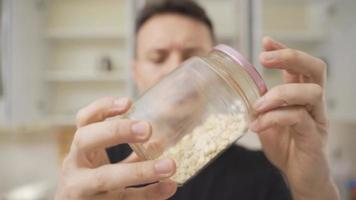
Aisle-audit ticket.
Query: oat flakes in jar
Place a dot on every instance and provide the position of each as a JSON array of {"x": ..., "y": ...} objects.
[{"x": 198, "y": 110}]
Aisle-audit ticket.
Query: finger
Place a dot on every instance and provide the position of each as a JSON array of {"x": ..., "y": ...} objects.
[
  {"x": 122, "y": 175},
  {"x": 296, "y": 62},
  {"x": 161, "y": 190},
  {"x": 112, "y": 132},
  {"x": 308, "y": 95},
  {"x": 295, "y": 116},
  {"x": 102, "y": 109},
  {"x": 305, "y": 94},
  {"x": 270, "y": 44}
]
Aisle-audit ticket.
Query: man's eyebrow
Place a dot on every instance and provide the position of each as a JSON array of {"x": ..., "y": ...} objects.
[
  {"x": 164, "y": 50},
  {"x": 193, "y": 50},
  {"x": 157, "y": 49}
]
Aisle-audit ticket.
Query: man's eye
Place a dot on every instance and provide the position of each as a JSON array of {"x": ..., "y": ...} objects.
[
  {"x": 191, "y": 54},
  {"x": 187, "y": 56},
  {"x": 158, "y": 59}
]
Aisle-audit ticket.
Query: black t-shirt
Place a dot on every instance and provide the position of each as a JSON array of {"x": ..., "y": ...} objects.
[{"x": 237, "y": 174}]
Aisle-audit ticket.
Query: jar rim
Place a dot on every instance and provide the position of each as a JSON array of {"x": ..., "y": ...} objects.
[{"x": 251, "y": 70}]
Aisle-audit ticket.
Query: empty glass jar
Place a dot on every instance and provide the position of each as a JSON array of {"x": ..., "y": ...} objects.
[{"x": 198, "y": 110}]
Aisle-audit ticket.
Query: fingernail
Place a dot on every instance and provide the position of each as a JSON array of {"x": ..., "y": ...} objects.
[
  {"x": 140, "y": 128},
  {"x": 164, "y": 166},
  {"x": 259, "y": 103},
  {"x": 268, "y": 56},
  {"x": 121, "y": 103}
]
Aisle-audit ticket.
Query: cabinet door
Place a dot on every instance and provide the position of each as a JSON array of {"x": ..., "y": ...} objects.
[
  {"x": 23, "y": 51},
  {"x": 2, "y": 111},
  {"x": 342, "y": 59}
]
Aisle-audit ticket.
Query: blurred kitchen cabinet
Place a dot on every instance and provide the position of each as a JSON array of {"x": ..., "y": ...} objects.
[
  {"x": 300, "y": 25},
  {"x": 89, "y": 53},
  {"x": 341, "y": 91},
  {"x": 60, "y": 55},
  {"x": 1, "y": 73},
  {"x": 236, "y": 23},
  {"x": 243, "y": 23},
  {"x": 64, "y": 137},
  {"x": 23, "y": 57},
  {"x": 322, "y": 29},
  {"x": 226, "y": 18},
  {"x": 291, "y": 21}
]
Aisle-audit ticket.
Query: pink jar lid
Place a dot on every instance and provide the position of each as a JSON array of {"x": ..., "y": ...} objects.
[{"x": 251, "y": 70}]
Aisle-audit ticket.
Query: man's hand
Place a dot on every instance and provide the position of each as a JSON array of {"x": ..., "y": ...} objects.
[
  {"x": 292, "y": 122},
  {"x": 87, "y": 173}
]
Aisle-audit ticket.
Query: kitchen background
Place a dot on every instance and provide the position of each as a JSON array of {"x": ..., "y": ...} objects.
[{"x": 59, "y": 55}]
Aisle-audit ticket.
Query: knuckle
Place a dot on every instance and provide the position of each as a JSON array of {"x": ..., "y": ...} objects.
[
  {"x": 101, "y": 105},
  {"x": 66, "y": 164},
  {"x": 300, "y": 114},
  {"x": 321, "y": 63},
  {"x": 292, "y": 55},
  {"x": 78, "y": 139},
  {"x": 80, "y": 116},
  {"x": 139, "y": 173},
  {"x": 281, "y": 94},
  {"x": 66, "y": 173},
  {"x": 116, "y": 129},
  {"x": 92, "y": 109},
  {"x": 106, "y": 100},
  {"x": 100, "y": 181},
  {"x": 70, "y": 189},
  {"x": 275, "y": 120},
  {"x": 281, "y": 91},
  {"x": 317, "y": 91}
]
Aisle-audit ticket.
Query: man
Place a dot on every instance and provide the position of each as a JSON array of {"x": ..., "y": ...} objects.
[{"x": 292, "y": 126}]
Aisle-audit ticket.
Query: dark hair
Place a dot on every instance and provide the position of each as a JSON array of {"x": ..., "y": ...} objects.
[{"x": 187, "y": 8}]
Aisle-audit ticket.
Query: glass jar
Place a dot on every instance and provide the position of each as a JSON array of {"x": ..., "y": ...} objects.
[{"x": 198, "y": 110}]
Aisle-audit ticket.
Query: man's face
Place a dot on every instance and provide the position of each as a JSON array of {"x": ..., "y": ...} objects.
[{"x": 164, "y": 42}]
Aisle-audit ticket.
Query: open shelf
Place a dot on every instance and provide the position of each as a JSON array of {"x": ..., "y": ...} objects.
[
  {"x": 83, "y": 77},
  {"x": 80, "y": 34},
  {"x": 304, "y": 37}
]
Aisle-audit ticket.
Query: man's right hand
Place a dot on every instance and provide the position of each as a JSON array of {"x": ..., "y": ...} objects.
[{"x": 87, "y": 172}]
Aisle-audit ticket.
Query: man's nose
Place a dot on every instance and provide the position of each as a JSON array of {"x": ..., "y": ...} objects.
[{"x": 174, "y": 61}]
